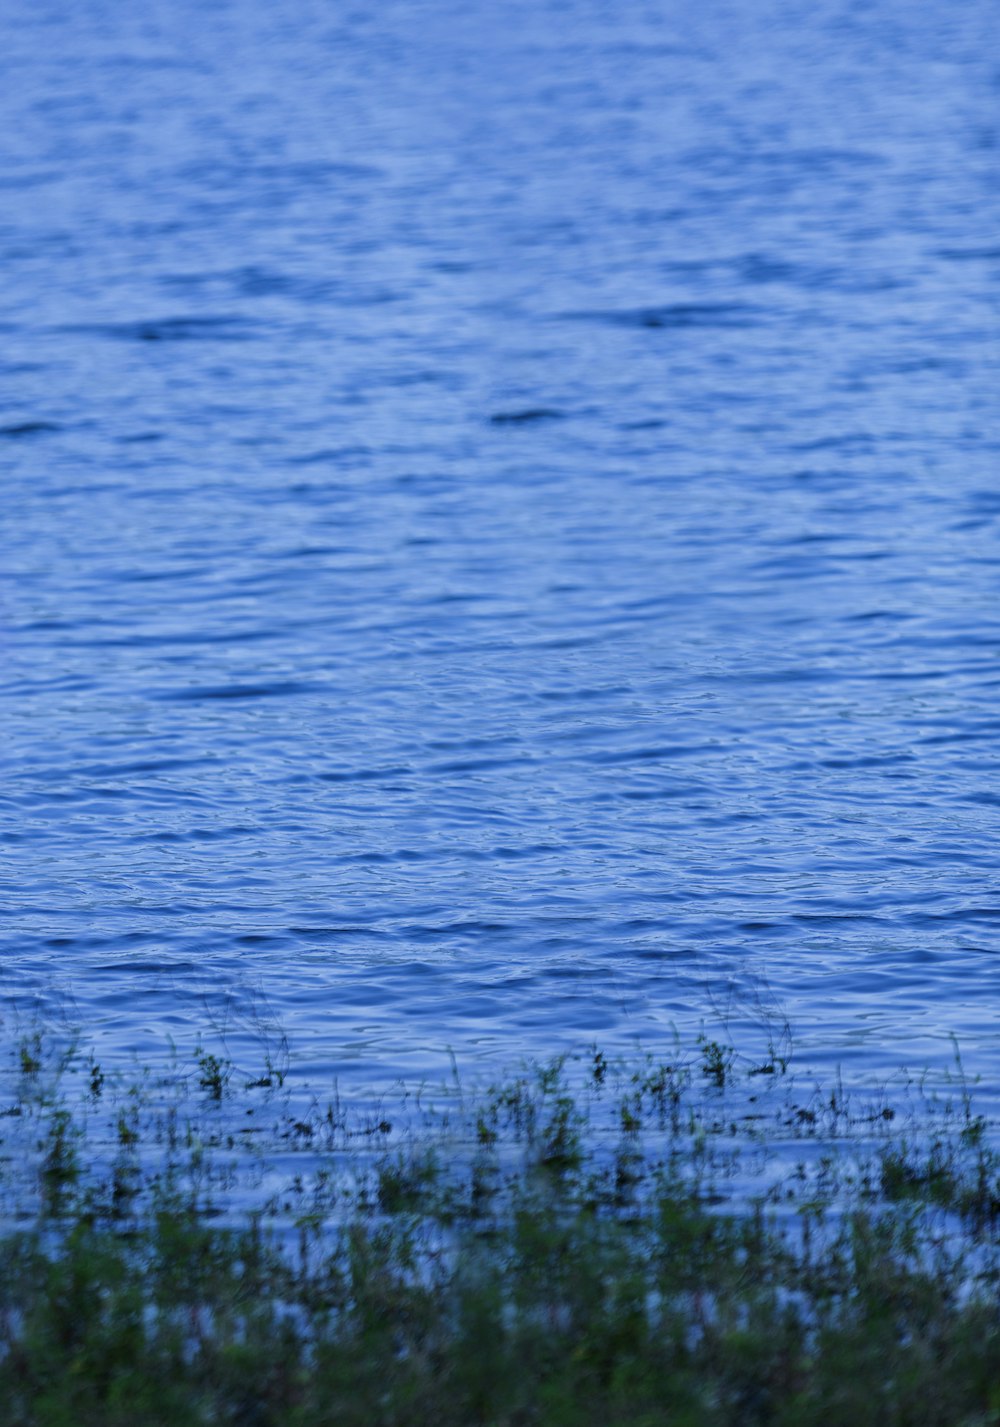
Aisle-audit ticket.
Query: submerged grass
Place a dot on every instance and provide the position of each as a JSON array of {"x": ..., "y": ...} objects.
[{"x": 586, "y": 1242}]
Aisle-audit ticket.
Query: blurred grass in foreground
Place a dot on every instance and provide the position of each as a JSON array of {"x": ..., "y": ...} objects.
[{"x": 682, "y": 1242}]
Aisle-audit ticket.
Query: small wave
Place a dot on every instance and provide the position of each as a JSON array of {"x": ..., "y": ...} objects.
[
  {"x": 674, "y": 315},
  {"x": 969, "y": 255},
  {"x": 526, "y": 417},
  {"x": 359, "y": 775},
  {"x": 279, "y": 689},
  {"x": 28, "y": 428},
  {"x": 169, "y": 329}
]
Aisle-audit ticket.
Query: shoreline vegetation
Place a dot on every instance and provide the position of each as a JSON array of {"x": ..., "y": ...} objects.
[{"x": 694, "y": 1240}]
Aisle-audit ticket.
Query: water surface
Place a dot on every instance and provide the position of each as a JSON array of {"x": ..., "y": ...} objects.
[{"x": 501, "y": 528}]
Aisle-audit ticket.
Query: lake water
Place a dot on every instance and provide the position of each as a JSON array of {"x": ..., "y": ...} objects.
[{"x": 501, "y": 525}]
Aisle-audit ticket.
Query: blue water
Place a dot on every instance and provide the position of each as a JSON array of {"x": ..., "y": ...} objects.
[{"x": 501, "y": 524}]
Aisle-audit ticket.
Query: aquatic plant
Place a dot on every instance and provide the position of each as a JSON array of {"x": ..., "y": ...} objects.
[{"x": 586, "y": 1241}]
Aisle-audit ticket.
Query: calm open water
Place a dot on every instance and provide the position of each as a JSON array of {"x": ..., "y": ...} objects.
[{"x": 501, "y": 523}]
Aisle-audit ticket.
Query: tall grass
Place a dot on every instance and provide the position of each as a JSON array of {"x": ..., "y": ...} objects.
[{"x": 683, "y": 1241}]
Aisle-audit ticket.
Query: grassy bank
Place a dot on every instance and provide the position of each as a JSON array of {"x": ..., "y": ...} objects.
[{"x": 683, "y": 1242}]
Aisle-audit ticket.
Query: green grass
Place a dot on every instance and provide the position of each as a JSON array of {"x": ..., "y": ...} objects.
[{"x": 587, "y": 1242}]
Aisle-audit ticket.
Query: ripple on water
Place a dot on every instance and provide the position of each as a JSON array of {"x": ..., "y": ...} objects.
[{"x": 500, "y": 533}]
